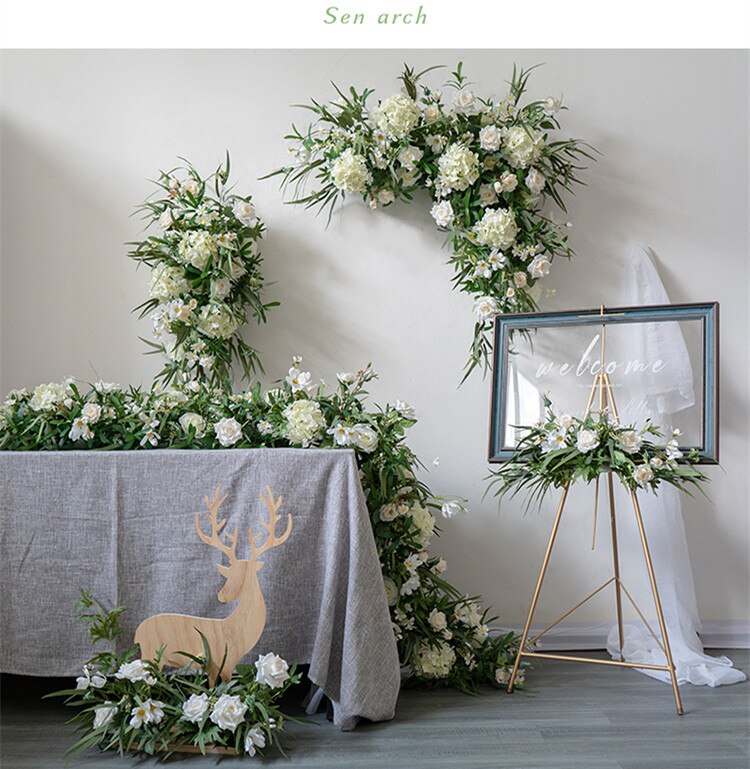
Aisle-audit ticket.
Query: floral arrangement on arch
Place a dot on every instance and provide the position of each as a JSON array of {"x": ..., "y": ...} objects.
[
  {"x": 443, "y": 635},
  {"x": 561, "y": 449},
  {"x": 205, "y": 275},
  {"x": 490, "y": 167},
  {"x": 126, "y": 704}
]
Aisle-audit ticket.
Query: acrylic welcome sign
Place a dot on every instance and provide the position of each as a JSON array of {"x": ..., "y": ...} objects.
[{"x": 662, "y": 361}]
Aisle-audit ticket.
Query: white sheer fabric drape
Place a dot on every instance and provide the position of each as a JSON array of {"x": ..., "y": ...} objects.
[{"x": 662, "y": 514}]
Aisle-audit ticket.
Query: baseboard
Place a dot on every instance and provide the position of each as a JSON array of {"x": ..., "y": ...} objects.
[{"x": 716, "y": 634}]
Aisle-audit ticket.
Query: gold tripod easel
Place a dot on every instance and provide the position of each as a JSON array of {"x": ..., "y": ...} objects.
[{"x": 603, "y": 386}]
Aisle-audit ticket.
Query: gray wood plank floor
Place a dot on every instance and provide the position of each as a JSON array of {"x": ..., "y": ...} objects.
[{"x": 578, "y": 717}]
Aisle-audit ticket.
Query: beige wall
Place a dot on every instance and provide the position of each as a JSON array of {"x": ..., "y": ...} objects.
[{"x": 83, "y": 130}]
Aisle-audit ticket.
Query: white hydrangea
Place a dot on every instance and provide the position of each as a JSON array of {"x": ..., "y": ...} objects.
[
  {"x": 167, "y": 282},
  {"x": 397, "y": 116},
  {"x": 522, "y": 145},
  {"x": 497, "y": 228},
  {"x": 48, "y": 396},
  {"x": 425, "y": 522},
  {"x": 349, "y": 172},
  {"x": 216, "y": 321},
  {"x": 434, "y": 662},
  {"x": 304, "y": 422},
  {"x": 458, "y": 168},
  {"x": 197, "y": 248}
]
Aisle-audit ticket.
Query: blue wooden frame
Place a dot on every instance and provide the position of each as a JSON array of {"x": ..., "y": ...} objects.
[{"x": 707, "y": 312}]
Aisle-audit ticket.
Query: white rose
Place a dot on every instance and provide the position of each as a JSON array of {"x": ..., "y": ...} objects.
[
  {"x": 490, "y": 137},
  {"x": 385, "y": 197},
  {"x": 271, "y": 670},
  {"x": 166, "y": 220},
  {"x": 452, "y": 508},
  {"x": 535, "y": 181},
  {"x": 565, "y": 422},
  {"x": 228, "y": 712},
  {"x": 431, "y": 113},
  {"x": 551, "y": 105},
  {"x": 465, "y": 103},
  {"x": 191, "y": 187},
  {"x": 539, "y": 267},
  {"x": 502, "y": 676},
  {"x": 657, "y": 463},
  {"x": 391, "y": 591},
  {"x": 508, "y": 181},
  {"x": 196, "y": 421},
  {"x": 195, "y": 708},
  {"x": 221, "y": 287},
  {"x": 365, "y": 438},
  {"x": 487, "y": 195},
  {"x": 104, "y": 714},
  {"x": 91, "y": 412},
  {"x": 255, "y": 738},
  {"x": 135, "y": 671},
  {"x": 405, "y": 409},
  {"x": 485, "y": 307},
  {"x": 643, "y": 474},
  {"x": 587, "y": 441},
  {"x": 245, "y": 213},
  {"x": 630, "y": 441},
  {"x": 410, "y": 156},
  {"x": 442, "y": 213},
  {"x": 437, "y": 620},
  {"x": 519, "y": 278},
  {"x": 228, "y": 431}
]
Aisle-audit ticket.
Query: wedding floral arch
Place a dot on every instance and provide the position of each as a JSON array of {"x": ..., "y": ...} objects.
[{"x": 490, "y": 167}]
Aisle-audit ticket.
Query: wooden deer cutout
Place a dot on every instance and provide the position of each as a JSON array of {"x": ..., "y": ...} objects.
[{"x": 239, "y": 632}]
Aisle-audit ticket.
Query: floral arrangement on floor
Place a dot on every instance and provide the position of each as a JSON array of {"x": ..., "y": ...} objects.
[
  {"x": 443, "y": 635},
  {"x": 490, "y": 167},
  {"x": 562, "y": 449},
  {"x": 205, "y": 275},
  {"x": 128, "y": 704}
]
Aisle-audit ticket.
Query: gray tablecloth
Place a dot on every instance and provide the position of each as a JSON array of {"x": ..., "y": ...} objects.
[{"x": 122, "y": 525}]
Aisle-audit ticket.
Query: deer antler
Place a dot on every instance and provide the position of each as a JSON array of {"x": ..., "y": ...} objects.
[
  {"x": 272, "y": 540},
  {"x": 214, "y": 538}
]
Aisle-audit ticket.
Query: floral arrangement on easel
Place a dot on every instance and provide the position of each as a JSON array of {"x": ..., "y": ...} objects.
[
  {"x": 490, "y": 166},
  {"x": 205, "y": 275},
  {"x": 562, "y": 449},
  {"x": 443, "y": 634},
  {"x": 128, "y": 704}
]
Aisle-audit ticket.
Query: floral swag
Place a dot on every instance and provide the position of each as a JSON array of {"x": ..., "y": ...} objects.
[{"x": 490, "y": 167}]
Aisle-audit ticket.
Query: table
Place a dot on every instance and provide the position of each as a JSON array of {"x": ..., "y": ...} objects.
[{"x": 122, "y": 524}]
